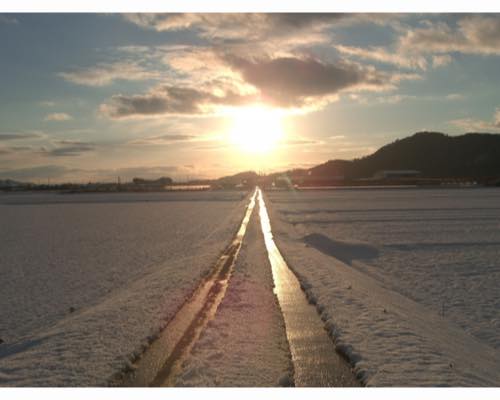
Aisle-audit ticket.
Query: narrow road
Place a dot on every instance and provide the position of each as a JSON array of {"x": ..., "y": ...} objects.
[
  {"x": 237, "y": 331},
  {"x": 316, "y": 363}
]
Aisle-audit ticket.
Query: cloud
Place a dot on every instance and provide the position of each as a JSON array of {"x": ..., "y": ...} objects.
[
  {"x": 379, "y": 54},
  {"x": 36, "y": 172},
  {"x": 246, "y": 26},
  {"x": 441, "y": 60},
  {"x": 472, "y": 124},
  {"x": 284, "y": 82},
  {"x": 58, "y": 117},
  {"x": 163, "y": 139},
  {"x": 298, "y": 142},
  {"x": 67, "y": 148},
  {"x": 47, "y": 103},
  {"x": 73, "y": 142},
  {"x": 106, "y": 73},
  {"x": 169, "y": 100},
  {"x": 298, "y": 82},
  {"x": 19, "y": 135},
  {"x": 69, "y": 151},
  {"x": 473, "y": 34},
  {"x": 455, "y": 96}
]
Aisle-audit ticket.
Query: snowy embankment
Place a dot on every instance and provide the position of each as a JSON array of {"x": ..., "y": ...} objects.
[
  {"x": 406, "y": 280},
  {"x": 89, "y": 280},
  {"x": 245, "y": 344}
]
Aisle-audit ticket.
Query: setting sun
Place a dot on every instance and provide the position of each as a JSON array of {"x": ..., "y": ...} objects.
[{"x": 256, "y": 129}]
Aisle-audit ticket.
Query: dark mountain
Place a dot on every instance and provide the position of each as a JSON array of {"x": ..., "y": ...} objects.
[{"x": 434, "y": 154}]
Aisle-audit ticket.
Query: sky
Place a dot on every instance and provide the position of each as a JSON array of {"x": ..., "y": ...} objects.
[{"x": 93, "y": 97}]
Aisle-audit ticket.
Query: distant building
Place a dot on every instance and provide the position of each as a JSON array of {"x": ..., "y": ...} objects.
[{"x": 395, "y": 174}]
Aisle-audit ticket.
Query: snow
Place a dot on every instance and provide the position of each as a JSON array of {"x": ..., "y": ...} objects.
[
  {"x": 88, "y": 280},
  {"x": 406, "y": 280},
  {"x": 245, "y": 344}
]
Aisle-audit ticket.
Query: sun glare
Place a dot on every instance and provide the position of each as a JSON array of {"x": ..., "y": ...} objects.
[{"x": 256, "y": 129}]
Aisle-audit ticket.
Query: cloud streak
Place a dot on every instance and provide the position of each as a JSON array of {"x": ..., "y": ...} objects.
[
  {"x": 382, "y": 55},
  {"x": 242, "y": 26},
  {"x": 472, "y": 124},
  {"x": 473, "y": 34},
  {"x": 19, "y": 136},
  {"x": 58, "y": 117},
  {"x": 107, "y": 73},
  {"x": 163, "y": 139}
]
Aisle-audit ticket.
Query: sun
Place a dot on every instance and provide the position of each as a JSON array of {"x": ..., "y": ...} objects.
[{"x": 256, "y": 129}]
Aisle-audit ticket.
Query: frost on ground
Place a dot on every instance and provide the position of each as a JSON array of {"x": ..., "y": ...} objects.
[
  {"x": 245, "y": 344},
  {"x": 406, "y": 280},
  {"x": 89, "y": 279}
]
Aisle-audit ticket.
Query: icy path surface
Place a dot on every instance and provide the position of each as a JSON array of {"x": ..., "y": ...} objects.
[
  {"x": 406, "y": 279},
  {"x": 245, "y": 345},
  {"x": 88, "y": 280},
  {"x": 315, "y": 361}
]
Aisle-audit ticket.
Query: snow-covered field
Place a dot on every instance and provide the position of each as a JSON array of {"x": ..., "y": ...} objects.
[
  {"x": 88, "y": 279},
  {"x": 406, "y": 279}
]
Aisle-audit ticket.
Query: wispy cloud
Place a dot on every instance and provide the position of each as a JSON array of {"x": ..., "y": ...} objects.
[
  {"x": 19, "y": 135},
  {"x": 401, "y": 97},
  {"x": 431, "y": 43},
  {"x": 67, "y": 148},
  {"x": 441, "y": 60},
  {"x": 473, "y": 34},
  {"x": 107, "y": 73},
  {"x": 247, "y": 26},
  {"x": 36, "y": 172},
  {"x": 59, "y": 116},
  {"x": 47, "y": 103},
  {"x": 383, "y": 55},
  {"x": 478, "y": 125},
  {"x": 163, "y": 139},
  {"x": 455, "y": 96},
  {"x": 298, "y": 141}
]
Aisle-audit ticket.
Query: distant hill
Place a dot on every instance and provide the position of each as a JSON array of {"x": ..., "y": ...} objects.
[
  {"x": 434, "y": 154},
  {"x": 247, "y": 178}
]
